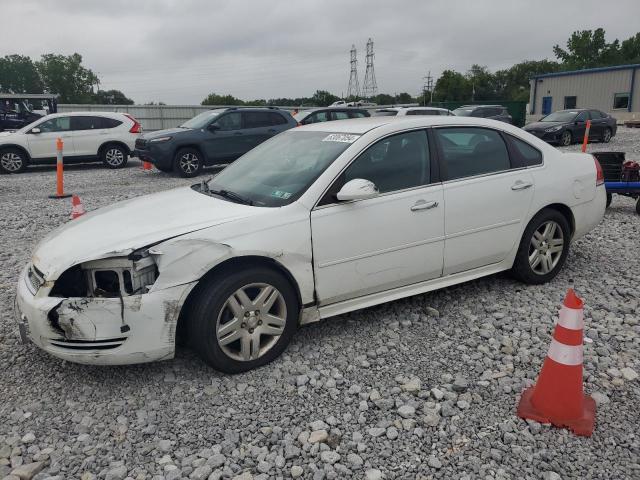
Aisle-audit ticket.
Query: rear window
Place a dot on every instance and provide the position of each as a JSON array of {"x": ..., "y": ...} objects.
[
  {"x": 524, "y": 155},
  {"x": 357, "y": 114},
  {"x": 277, "y": 119},
  {"x": 423, "y": 112},
  {"x": 86, "y": 123},
  {"x": 110, "y": 122}
]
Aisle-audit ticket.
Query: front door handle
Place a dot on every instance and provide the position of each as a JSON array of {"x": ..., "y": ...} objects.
[
  {"x": 520, "y": 185},
  {"x": 423, "y": 205}
]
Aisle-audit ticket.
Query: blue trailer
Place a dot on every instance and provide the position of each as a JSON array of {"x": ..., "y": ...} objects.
[{"x": 614, "y": 177}]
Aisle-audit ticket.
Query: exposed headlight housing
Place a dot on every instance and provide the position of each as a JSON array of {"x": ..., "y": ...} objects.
[
  {"x": 108, "y": 277},
  {"x": 553, "y": 129},
  {"x": 160, "y": 139}
]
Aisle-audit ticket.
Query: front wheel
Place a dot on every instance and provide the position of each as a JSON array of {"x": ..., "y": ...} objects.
[
  {"x": 188, "y": 162},
  {"x": 543, "y": 248},
  {"x": 606, "y": 135},
  {"x": 114, "y": 156},
  {"x": 13, "y": 160},
  {"x": 242, "y": 320},
  {"x": 566, "y": 138}
]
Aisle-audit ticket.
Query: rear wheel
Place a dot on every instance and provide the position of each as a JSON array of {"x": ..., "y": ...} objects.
[
  {"x": 114, "y": 156},
  {"x": 543, "y": 248},
  {"x": 638, "y": 206},
  {"x": 606, "y": 135},
  {"x": 243, "y": 319},
  {"x": 13, "y": 160},
  {"x": 566, "y": 138},
  {"x": 609, "y": 199},
  {"x": 188, "y": 162}
]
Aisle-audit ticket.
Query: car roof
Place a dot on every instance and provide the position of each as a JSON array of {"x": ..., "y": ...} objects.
[
  {"x": 363, "y": 125},
  {"x": 87, "y": 114},
  {"x": 481, "y": 106}
]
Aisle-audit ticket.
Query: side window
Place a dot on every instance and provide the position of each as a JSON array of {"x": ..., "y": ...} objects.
[
  {"x": 321, "y": 116},
  {"x": 256, "y": 119},
  {"x": 570, "y": 102},
  {"x": 59, "y": 124},
  {"x": 595, "y": 114},
  {"x": 86, "y": 123},
  {"x": 582, "y": 117},
  {"x": 229, "y": 121},
  {"x": 110, "y": 122},
  {"x": 467, "y": 152},
  {"x": 357, "y": 114},
  {"x": 276, "y": 119},
  {"x": 394, "y": 163},
  {"x": 620, "y": 100},
  {"x": 422, "y": 112},
  {"x": 479, "y": 112},
  {"x": 340, "y": 115},
  {"x": 524, "y": 155}
]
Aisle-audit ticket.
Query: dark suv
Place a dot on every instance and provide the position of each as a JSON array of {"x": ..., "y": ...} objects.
[
  {"x": 493, "y": 112},
  {"x": 212, "y": 138}
]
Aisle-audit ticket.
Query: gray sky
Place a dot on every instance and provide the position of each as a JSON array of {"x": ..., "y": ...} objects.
[{"x": 179, "y": 51}]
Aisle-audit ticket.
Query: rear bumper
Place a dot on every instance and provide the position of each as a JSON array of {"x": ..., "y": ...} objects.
[{"x": 589, "y": 214}]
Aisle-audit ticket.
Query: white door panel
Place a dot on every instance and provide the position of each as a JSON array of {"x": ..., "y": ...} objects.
[
  {"x": 484, "y": 218},
  {"x": 376, "y": 244},
  {"x": 43, "y": 145},
  {"x": 86, "y": 142}
]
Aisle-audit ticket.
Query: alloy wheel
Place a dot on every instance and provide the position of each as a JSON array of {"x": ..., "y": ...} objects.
[
  {"x": 566, "y": 139},
  {"x": 114, "y": 157},
  {"x": 189, "y": 163},
  {"x": 607, "y": 136},
  {"x": 251, "y": 321},
  {"x": 11, "y": 162},
  {"x": 545, "y": 248}
]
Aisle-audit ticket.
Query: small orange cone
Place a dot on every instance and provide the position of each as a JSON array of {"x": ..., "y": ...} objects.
[
  {"x": 558, "y": 397},
  {"x": 146, "y": 165},
  {"x": 77, "y": 209}
]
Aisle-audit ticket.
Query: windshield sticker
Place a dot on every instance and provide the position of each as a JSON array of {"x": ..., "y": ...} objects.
[
  {"x": 281, "y": 194},
  {"x": 341, "y": 137}
]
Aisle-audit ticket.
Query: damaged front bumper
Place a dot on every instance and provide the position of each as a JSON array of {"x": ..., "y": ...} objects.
[{"x": 99, "y": 330}]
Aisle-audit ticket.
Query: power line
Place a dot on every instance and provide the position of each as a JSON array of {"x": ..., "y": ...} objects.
[
  {"x": 370, "y": 87},
  {"x": 354, "y": 86},
  {"x": 427, "y": 86}
]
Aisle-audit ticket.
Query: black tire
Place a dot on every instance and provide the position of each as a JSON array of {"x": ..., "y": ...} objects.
[
  {"x": 638, "y": 207},
  {"x": 609, "y": 199},
  {"x": 13, "y": 160},
  {"x": 114, "y": 156},
  {"x": 210, "y": 306},
  {"x": 566, "y": 138},
  {"x": 164, "y": 169},
  {"x": 188, "y": 162},
  {"x": 522, "y": 268},
  {"x": 606, "y": 135}
]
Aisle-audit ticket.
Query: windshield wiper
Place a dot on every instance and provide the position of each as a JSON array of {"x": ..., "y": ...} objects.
[{"x": 231, "y": 196}]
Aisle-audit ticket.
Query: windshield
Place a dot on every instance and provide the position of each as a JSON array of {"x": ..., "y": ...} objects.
[
  {"x": 202, "y": 120},
  {"x": 278, "y": 171},
  {"x": 463, "y": 112},
  {"x": 567, "y": 116}
]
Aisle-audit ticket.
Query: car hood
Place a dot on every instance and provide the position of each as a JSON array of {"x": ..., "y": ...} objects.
[
  {"x": 164, "y": 133},
  {"x": 541, "y": 125},
  {"x": 121, "y": 228},
  {"x": 6, "y": 134}
]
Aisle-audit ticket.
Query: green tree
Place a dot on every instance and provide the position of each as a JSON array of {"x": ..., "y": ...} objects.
[
  {"x": 111, "y": 97},
  {"x": 451, "y": 86},
  {"x": 513, "y": 83},
  {"x": 384, "y": 99},
  {"x": 18, "y": 74},
  {"x": 66, "y": 76},
  {"x": 587, "y": 49},
  {"x": 322, "y": 98},
  {"x": 483, "y": 84},
  {"x": 630, "y": 49},
  {"x": 404, "y": 97},
  {"x": 215, "y": 99}
]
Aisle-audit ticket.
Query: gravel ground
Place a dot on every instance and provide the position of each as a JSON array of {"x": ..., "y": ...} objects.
[{"x": 424, "y": 387}]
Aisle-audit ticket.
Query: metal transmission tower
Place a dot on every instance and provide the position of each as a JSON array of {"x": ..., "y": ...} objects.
[
  {"x": 354, "y": 87},
  {"x": 427, "y": 87},
  {"x": 370, "y": 87}
]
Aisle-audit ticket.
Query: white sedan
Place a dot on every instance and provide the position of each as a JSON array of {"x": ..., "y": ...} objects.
[{"x": 318, "y": 221}]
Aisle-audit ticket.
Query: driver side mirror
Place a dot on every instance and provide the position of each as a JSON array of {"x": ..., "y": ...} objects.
[
  {"x": 357, "y": 189},
  {"x": 213, "y": 127},
  {"x": 35, "y": 130}
]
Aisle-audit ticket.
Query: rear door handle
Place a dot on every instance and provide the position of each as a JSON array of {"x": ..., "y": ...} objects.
[
  {"x": 423, "y": 205},
  {"x": 520, "y": 185}
]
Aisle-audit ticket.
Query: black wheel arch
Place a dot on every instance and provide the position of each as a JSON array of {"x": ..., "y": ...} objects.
[
  {"x": 247, "y": 261},
  {"x": 104, "y": 146}
]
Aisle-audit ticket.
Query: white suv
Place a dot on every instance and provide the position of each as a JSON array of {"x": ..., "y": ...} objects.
[{"x": 88, "y": 136}]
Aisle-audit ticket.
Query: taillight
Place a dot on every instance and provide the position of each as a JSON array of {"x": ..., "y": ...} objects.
[
  {"x": 599, "y": 172},
  {"x": 137, "y": 128}
]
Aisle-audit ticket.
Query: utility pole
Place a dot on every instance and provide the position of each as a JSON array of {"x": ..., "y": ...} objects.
[
  {"x": 354, "y": 87},
  {"x": 370, "y": 87},
  {"x": 427, "y": 86}
]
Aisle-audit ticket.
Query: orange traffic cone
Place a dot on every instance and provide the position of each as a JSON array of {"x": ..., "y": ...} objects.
[
  {"x": 558, "y": 398},
  {"x": 77, "y": 209},
  {"x": 146, "y": 165}
]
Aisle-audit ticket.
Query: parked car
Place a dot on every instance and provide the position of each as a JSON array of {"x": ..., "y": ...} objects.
[
  {"x": 565, "y": 127},
  {"x": 339, "y": 103},
  {"x": 88, "y": 137},
  {"x": 361, "y": 103},
  {"x": 18, "y": 110},
  {"x": 328, "y": 114},
  {"x": 214, "y": 137},
  {"x": 401, "y": 111},
  {"x": 493, "y": 112},
  {"x": 318, "y": 221}
]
